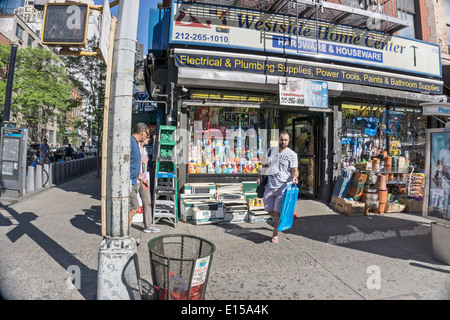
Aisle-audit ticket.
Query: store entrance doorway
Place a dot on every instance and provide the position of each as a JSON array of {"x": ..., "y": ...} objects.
[{"x": 306, "y": 143}]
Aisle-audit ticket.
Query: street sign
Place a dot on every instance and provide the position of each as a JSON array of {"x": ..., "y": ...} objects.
[
  {"x": 141, "y": 98},
  {"x": 105, "y": 30},
  {"x": 65, "y": 24}
]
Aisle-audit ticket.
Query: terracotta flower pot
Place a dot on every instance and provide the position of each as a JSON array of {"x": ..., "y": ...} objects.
[
  {"x": 381, "y": 182},
  {"x": 382, "y": 196},
  {"x": 381, "y": 207},
  {"x": 387, "y": 161}
]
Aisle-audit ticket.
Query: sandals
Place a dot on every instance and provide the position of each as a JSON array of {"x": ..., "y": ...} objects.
[{"x": 275, "y": 240}]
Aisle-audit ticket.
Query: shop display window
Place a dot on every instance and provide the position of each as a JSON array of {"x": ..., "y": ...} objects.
[
  {"x": 364, "y": 133},
  {"x": 226, "y": 140},
  {"x": 438, "y": 174}
]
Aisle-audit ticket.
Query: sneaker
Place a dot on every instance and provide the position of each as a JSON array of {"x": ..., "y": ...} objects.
[{"x": 152, "y": 229}]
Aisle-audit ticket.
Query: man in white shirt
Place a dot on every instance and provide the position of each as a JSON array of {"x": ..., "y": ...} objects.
[{"x": 283, "y": 163}]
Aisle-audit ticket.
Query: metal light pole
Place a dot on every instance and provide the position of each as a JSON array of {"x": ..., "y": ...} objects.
[
  {"x": 117, "y": 269},
  {"x": 9, "y": 83}
]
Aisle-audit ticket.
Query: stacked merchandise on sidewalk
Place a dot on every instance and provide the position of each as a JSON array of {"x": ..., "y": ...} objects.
[
  {"x": 206, "y": 203},
  {"x": 382, "y": 147},
  {"x": 383, "y": 184}
]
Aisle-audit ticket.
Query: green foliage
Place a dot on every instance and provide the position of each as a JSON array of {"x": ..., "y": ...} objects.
[
  {"x": 41, "y": 87},
  {"x": 90, "y": 75}
]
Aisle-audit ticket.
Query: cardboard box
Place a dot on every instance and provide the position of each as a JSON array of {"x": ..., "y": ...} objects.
[
  {"x": 187, "y": 209},
  {"x": 340, "y": 204},
  {"x": 393, "y": 207},
  {"x": 235, "y": 217},
  {"x": 258, "y": 217},
  {"x": 229, "y": 196},
  {"x": 349, "y": 207},
  {"x": 412, "y": 205},
  {"x": 207, "y": 217},
  {"x": 200, "y": 188},
  {"x": 247, "y": 196},
  {"x": 354, "y": 208},
  {"x": 249, "y": 186},
  {"x": 196, "y": 197},
  {"x": 200, "y": 212}
]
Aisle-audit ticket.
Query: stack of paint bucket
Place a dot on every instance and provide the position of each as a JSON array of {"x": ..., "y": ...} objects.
[
  {"x": 357, "y": 186},
  {"x": 382, "y": 192}
]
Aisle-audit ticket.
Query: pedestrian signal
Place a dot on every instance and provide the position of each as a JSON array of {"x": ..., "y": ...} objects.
[{"x": 65, "y": 25}]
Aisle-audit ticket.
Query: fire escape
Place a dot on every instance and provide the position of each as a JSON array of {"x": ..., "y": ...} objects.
[{"x": 387, "y": 16}]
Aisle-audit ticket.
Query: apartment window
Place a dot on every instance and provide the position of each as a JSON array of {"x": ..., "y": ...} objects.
[
  {"x": 51, "y": 135},
  {"x": 407, "y": 11},
  {"x": 19, "y": 32},
  {"x": 30, "y": 41}
]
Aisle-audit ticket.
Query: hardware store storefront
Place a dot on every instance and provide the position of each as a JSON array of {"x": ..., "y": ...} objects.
[
  {"x": 229, "y": 102},
  {"x": 231, "y": 117}
]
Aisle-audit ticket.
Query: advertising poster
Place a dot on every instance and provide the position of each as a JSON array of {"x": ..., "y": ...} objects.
[
  {"x": 439, "y": 175},
  {"x": 301, "y": 92}
]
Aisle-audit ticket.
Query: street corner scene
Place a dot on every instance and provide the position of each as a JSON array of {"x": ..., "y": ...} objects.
[{"x": 240, "y": 154}]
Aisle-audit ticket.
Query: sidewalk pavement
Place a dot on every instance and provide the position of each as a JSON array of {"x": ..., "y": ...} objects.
[{"x": 325, "y": 255}]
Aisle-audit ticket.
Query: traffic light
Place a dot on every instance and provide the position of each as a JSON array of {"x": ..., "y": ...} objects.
[{"x": 65, "y": 25}]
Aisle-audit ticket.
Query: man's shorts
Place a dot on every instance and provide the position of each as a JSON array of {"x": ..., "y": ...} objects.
[
  {"x": 134, "y": 202},
  {"x": 273, "y": 199}
]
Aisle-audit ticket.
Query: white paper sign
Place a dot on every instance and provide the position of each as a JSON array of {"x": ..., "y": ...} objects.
[
  {"x": 200, "y": 271},
  {"x": 303, "y": 92}
]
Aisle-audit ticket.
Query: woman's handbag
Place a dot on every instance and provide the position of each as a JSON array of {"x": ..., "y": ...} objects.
[
  {"x": 262, "y": 186},
  {"x": 287, "y": 210}
]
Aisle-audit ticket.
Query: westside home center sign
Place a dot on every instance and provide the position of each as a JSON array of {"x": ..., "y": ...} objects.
[{"x": 227, "y": 27}]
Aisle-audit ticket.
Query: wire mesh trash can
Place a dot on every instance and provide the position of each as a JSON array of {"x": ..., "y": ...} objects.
[{"x": 180, "y": 266}]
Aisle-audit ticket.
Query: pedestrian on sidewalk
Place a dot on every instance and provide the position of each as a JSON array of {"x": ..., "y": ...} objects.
[
  {"x": 44, "y": 150},
  {"x": 69, "y": 153},
  {"x": 144, "y": 192},
  {"x": 283, "y": 170},
  {"x": 140, "y": 133},
  {"x": 81, "y": 153}
]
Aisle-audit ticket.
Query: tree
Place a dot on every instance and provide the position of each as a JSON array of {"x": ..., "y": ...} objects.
[
  {"x": 90, "y": 75},
  {"x": 41, "y": 87}
]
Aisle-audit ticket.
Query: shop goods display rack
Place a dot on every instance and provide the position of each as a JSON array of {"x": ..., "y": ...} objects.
[{"x": 165, "y": 191}]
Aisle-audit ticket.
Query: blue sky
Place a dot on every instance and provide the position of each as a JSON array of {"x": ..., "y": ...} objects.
[{"x": 144, "y": 7}]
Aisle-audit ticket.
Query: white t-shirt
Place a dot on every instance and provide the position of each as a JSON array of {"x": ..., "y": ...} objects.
[{"x": 284, "y": 162}]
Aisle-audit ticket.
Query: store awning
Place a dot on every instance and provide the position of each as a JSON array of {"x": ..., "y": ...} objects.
[
  {"x": 233, "y": 79},
  {"x": 220, "y": 79}
]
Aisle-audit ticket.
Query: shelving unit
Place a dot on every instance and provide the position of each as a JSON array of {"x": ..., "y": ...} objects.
[
  {"x": 165, "y": 191},
  {"x": 397, "y": 182}
]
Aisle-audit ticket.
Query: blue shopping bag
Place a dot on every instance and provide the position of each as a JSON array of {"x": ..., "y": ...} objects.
[{"x": 287, "y": 210}]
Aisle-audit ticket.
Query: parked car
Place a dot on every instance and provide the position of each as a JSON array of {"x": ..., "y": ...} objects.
[
  {"x": 90, "y": 150},
  {"x": 35, "y": 147},
  {"x": 59, "y": 153}
]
